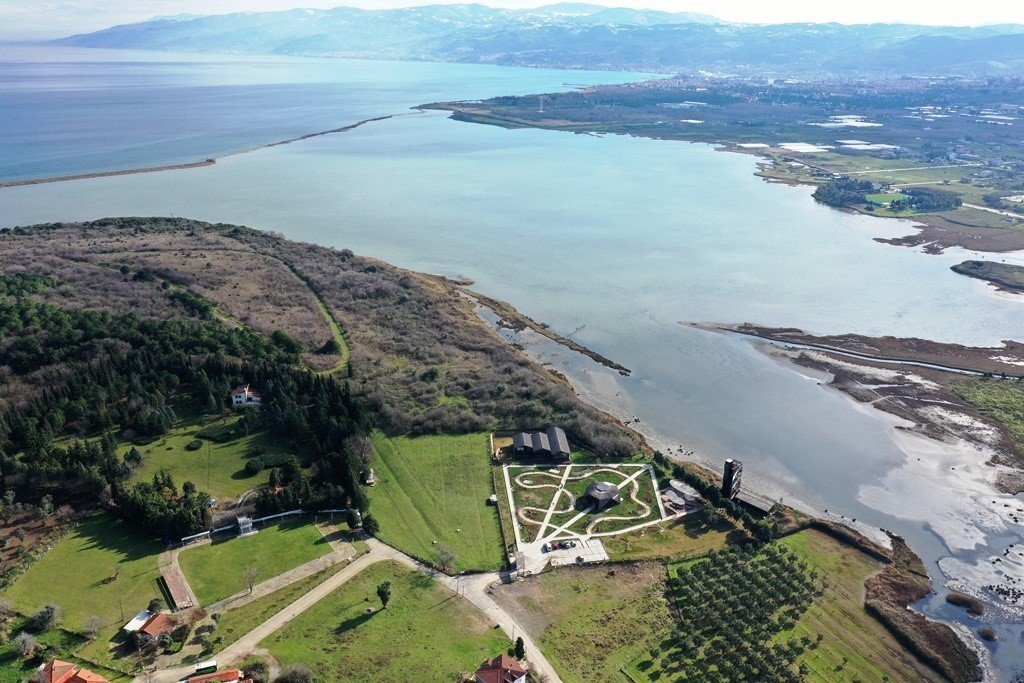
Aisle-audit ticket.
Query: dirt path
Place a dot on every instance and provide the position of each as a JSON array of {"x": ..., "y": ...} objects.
[
  {"x": 474, "y": 588},
  {"x": 280, "y": 581}
]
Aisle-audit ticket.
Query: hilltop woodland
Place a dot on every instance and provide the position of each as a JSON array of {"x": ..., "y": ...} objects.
[{"x": 111, "y": 332}]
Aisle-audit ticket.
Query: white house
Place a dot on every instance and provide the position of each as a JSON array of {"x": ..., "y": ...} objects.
[{"x": 244, "y": 397}]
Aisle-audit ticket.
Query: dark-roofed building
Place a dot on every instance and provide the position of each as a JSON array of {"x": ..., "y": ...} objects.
[
  {"x": 601, "y": 494},
  {"x": 551, "y": 442},
  {"x": 501, "y": 669}
]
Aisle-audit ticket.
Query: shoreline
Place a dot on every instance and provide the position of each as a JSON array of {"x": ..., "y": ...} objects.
[
  {"x": 602, "y": 391},
  {"x": 510, "y": 318},
  {"x": 934, "y": 233},
  {"x": 210, "y": 161}
]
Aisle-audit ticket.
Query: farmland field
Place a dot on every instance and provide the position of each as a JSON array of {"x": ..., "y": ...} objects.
[
  {"x": 855, "y": 646},
  {"x": 590, "y": 621},
  {"x": 682, "y": 538},
  {"x": 104, "y": 565},
  {"x": 427, "y": 633},
  {"x": 432, "y": 491},
  {"x": 217, "y": 571}
]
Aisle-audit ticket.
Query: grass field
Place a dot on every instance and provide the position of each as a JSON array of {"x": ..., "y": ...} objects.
[
  {"x": 674, "y": 540},
  {"x": 432, "y": 491},
  {"x": 217, "y": 468},
  {"x": 74, "y": 574},
  {"x": 235, "y": 623},
  {"x": 427, "y": 633},
  {"x": 55, "y": 644},
  {"x": 998, "y": 400},
  {"x": 589, "y": 621},
  {"x": 849, "y": 632},
  {"x": 217, "y": 571}
]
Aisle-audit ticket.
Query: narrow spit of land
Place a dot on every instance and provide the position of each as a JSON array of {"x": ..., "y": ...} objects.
[
  {"x": 194, "y": 164},
  {"x": 514, "y": 320}
]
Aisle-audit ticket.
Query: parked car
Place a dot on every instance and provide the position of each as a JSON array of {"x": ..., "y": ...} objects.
[
  {"x": 569, "y": 544},
  {"x": 545, "y": 548}
]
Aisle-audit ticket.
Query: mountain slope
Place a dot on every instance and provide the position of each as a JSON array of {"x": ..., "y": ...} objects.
[{"x": 584, "y": 36}]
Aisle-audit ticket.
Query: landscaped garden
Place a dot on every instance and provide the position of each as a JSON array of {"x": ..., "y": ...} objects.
[
  {"x": 426, "y": 633},
  {"x": 218, "y": 570},
  {"x": 431, "y": 495},
  {"x": 534, "y": 490}
]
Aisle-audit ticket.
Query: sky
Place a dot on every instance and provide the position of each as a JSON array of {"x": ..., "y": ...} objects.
[{"x": 53, "y": 18}]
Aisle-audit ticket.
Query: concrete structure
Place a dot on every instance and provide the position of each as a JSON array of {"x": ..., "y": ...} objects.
[
  {"x": 552, "y": 442},
  {"x": 756, "y": 502},
  {"x": 601, "y": 494},
  {"x": 245, "y": 527},
  {"x": 732, "y": 478},
  {"x": 501, "y": 669},
  {"x": 244, "y": 397},
  {"x": 369, "y": 477}
]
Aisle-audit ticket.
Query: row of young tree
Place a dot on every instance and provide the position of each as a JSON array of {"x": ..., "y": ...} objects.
[
  {"x": 93, "y": 380},
  {"x": 733, "y": 607}
]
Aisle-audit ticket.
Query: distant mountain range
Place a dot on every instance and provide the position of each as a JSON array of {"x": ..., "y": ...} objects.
[{"x": 574, "y": 35}]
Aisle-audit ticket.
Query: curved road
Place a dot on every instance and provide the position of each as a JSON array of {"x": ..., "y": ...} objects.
[{"x": 474, "y": 588}]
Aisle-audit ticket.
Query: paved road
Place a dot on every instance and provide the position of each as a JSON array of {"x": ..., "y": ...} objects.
[{"x": 473, "y": 588}]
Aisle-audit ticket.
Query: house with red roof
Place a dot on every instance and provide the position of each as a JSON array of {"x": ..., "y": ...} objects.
[
  {"x": 58, "y": 671},
  {"x": 157, "y": 625},
  {"x": 501, "y": 669}
]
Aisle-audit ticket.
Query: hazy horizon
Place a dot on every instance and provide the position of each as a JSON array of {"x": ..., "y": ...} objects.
[{"x": 24, "y": 20}]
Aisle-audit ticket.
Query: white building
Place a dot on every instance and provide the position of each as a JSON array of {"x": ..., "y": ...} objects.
[{"x": 244, "y": 397}]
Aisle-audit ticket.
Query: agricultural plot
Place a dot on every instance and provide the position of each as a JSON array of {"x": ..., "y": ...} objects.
[
  {"x": 791, "y": 611},
  {"x": 854, "y": 645},
  {"x": 591, "y": 622},
  {"x": 217, "y": 570},
  {"x": 426, "y": 633},
  {"x": 733, "y": 607},
  {"x": 552, "y": 502},
  {"x": 432, "y": 493}
]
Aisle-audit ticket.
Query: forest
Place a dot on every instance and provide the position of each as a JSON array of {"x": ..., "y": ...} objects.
[{"x": 114, "y": 379}]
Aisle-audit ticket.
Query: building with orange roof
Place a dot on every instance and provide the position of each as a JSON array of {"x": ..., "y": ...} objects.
[
  {"x": 59, "y": 671},
  {"x": 158, "y": 625}
]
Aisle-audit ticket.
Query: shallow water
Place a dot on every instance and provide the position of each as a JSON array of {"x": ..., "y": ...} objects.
[{"x": 616, "y": 240}]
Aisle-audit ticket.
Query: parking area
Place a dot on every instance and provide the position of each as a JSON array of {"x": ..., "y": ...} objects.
[{"x": 585, "y": 551}]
